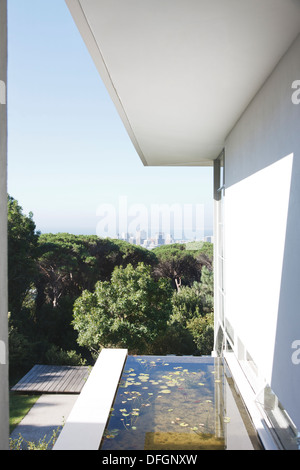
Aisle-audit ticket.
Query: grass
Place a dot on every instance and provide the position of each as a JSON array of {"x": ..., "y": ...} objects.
[{"x": 19, "y": 405}]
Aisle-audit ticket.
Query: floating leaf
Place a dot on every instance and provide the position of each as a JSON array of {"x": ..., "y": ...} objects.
[
  {"x": 165, "y": 391},
  {"x": 201, "y": 383},
  {"x": 133, "y": 428}
]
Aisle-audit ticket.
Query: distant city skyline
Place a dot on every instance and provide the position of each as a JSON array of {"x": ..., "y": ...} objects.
[
  {"x": 179, "y": 221},
  {"x": 160, "y": 238}
]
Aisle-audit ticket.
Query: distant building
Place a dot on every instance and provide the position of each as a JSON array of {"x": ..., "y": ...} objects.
[{"x": 159, "y": 239}]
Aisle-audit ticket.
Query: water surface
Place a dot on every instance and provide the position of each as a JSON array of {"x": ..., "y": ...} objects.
[{"x": 168, "y": 403}]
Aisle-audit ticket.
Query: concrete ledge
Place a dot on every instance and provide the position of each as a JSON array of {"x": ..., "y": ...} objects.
[
  {"x": 248, "y": 396},
  {"x": 86, "y": 423}
]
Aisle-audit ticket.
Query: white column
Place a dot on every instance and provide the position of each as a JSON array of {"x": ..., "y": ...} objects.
[{"x": 4, "y": 397}]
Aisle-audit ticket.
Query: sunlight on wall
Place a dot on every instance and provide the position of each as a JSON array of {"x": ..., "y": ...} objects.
[{"x": 256, "y": 217}]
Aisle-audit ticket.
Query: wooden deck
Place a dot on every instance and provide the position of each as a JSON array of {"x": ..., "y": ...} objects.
[{"x": 53, "y": 379}]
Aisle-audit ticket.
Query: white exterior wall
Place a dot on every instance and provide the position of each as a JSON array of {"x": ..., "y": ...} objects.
[
  {"x": 4, "y": 412},
  {"x": 262, "y": 232}
]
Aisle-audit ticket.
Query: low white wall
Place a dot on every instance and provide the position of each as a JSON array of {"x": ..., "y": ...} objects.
[
  {"x": 86, "y": 423},
  {"x": 262, "y": 231}
]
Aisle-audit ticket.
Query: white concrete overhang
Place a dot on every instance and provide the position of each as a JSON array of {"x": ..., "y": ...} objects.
[{"x": 181, "y": 72}]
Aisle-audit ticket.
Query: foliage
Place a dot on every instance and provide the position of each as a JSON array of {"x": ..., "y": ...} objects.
[
  {"x": 21, "y": 353},
  {"x": 69, "y": 264},
  {"x": 57, "y": 356},
  {"x": 70, "y": 295},
  {"x": 201, "y": 248},
  {"x": 183, "y": 266},
  {"x": 43, "y": 444},
  {"x": 130, "y": 311},
  {"x": 22, "y": 243},
  {"x": 196, "y": 300},
  {"x": 175, "y": 263},
  {"x": 202, "y": 331}
]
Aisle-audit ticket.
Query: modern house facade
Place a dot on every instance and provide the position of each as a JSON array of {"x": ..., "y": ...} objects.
[
  {"x": 258, "y": 303},
  {"x": 218, "y": 83}
]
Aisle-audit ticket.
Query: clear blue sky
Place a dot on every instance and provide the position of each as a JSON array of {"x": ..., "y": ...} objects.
[{"x": 68, "y": 152}]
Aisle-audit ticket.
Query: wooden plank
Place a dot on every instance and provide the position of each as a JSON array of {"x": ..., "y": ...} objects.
[
  {"x": 30, "y": 378},
  {"x": 76, "y": 381},
  {"x": 53, "y": 379},
  {"x": 27, "y": 378},
  {"x": 81, "y": 380},
  {"x": 42, "y": 381}
]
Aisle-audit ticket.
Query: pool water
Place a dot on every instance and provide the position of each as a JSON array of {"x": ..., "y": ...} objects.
[{"x": 168, "y": 403}]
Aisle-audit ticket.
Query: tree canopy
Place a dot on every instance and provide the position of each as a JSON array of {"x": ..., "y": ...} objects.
[
  {"x": 22, "y": 246},
  {"x": 129, "y": 311},
  {"x": 181, "y": 265},
  {"x": 70, "y": 295}
]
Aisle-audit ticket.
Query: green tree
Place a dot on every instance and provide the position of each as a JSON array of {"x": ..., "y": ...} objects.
[
  {"x": 177, "y": 264},
  {"x": 22, "y": 246},
  {"x": 192, "y": 318},
  {"x": 69, "y": 264},
  {"x": 201, "y": 248},
  {"x": 130, "y": 311},
  {"x": 202, "y": 331},
  {"x": 66, "y": 267}
]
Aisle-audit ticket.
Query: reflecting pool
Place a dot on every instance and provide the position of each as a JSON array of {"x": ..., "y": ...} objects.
[{"x": 168, "y": 403}]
